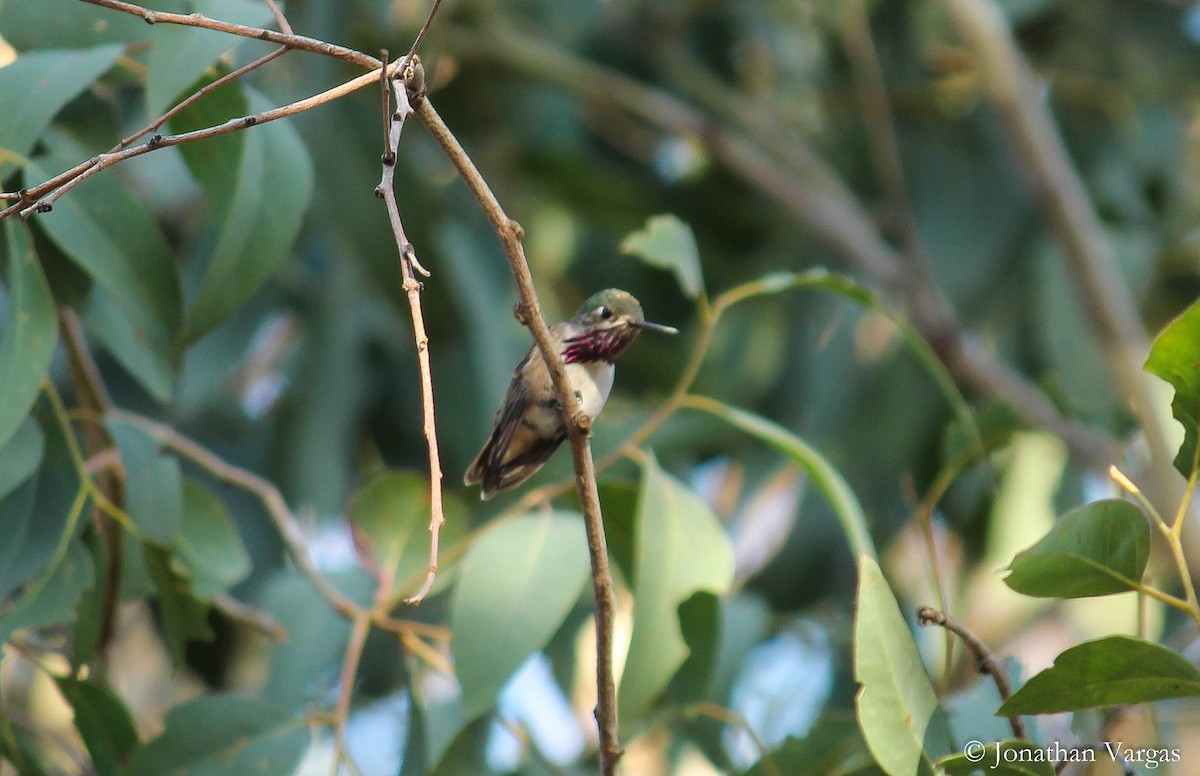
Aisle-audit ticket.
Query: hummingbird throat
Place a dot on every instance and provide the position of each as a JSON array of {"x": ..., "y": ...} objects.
[{"x": 597, "y": 345}]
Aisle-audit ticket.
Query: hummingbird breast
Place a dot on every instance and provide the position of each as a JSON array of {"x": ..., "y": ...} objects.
[{"x": 592, "y": 382}]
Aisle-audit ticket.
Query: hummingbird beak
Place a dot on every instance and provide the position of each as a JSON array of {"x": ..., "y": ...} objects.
[{"x": 657, "y": 327}]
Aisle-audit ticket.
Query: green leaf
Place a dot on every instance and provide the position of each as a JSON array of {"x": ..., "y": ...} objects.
[
  {"x": 184, "y": 616},
  {"x": 832, "y": 747},
  {"x": 55, "y": 24},
  {"x": 35, "y": 87},
  {"x": 668, "y": 243},
  {"x": 217, "y": 735},
  {"x": 153, "y": 483},
  {"x": 52, "y": 598},
  {"x": 1004, "y": 758},
  {"x": 1096, "y": 549},
  {"x": 39, "y": 517},
  {"x": 105, "y": 230},
  {"x": 21, "y": 456},
  {"x": 182, "y": 54},
  {"x": 700, "y": 626},
  {"x": 16, "y": 747},
  {"x": 103, "y": 723},
  {"x": 896, "y": 702},
  {"x": 1175, "y": 357},
  {"x": 208, "y": 543},
  {"x": 389, "y": 515},
  {"x": 117, "y": 335},
  {"x": 1113, "y": 671},
  {"x": 517, "y": 584},
  {"x": 30, "y": 333},
  {"x": 258, "y": 184},
  {"x": 466, "y": 755},
  {"x": 827, "y": 479},
  {"x": 680, "y": 548}
]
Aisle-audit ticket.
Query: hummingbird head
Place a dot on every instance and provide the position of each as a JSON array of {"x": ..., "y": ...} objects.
[{"x": 605, "y": 325}]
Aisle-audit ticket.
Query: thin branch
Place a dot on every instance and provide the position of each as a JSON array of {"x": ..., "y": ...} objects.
[
  {"x": 93, "y": 396},
  {"x": 578, "y": 430},
  {"x": 412, "y": 288},
  {"x": 1017, "y": 95},
  {"x": 300, "y": 42},
  {"x": 985, "y": 661},
  {"x": 277, "y": 509},
  {"x": 359, "y": 630},
  {"x": 63, "y": 182},
  {"x": 255, "y": 619}
]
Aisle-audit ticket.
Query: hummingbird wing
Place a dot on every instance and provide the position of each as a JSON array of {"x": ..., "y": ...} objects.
[{"x": 525, "y": 434}]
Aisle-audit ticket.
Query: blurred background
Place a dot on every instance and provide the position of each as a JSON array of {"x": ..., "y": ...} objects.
[{"x": 754, "y": 123}]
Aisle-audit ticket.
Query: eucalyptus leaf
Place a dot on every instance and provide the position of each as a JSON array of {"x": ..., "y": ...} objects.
[
  {"x": 258, "y": 184},
  {"x": 153, "y": 483},
  {"x": 109, "y": 234},
  {"x": 35, "y": 87},
  {"x": 103, "y": 722},
  {"x": 517, "y": 584},
  {"x": 216, "y": 735},
  {"x": 30, "y": 332},
  {"x": 182, "y": 54},
  {"x": 680, "y": 549},
  {"x": 896, "y": 702},
  {"x": 208, "y": 543},
  {"x": 21, "y": 455}
]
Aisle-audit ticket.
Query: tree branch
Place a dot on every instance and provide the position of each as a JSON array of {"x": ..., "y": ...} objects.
[{"x": 578, "y": 428}]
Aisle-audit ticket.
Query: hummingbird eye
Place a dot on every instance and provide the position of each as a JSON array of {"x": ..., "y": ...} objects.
[{"x": 604, "y": 312}]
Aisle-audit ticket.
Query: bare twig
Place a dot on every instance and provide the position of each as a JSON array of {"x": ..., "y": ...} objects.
[
  {"x": 412, "y": 288},
  {"x": 277, "y": 509},
  {"x": 93, "y": 396},
  {"x": 300, "y": 42},
  {"x": 359, "y": 630},
  {"x": 985, "y": 661},
  {"x": 255, "y": 619},
  {"x": 578, "y": 428}
]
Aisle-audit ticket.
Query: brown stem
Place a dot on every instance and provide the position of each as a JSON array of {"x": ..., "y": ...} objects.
[
  {"x": 277, "y": 509},
  {"x": 578, "y": 428},
  {"x": 1017, "y": 95},
  {"x": 412, "y": 288},
  {"x": 985, "y": 661},
  {"x": 92, "y": 395}
]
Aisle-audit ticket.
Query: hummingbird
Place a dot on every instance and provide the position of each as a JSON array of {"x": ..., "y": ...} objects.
[{"x": 529, "y": 425}]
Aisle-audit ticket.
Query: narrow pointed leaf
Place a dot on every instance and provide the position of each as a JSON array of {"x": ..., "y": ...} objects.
[
  {"x": 103, "y": 723},
  {"x": 668, "y": 243},
  {"x": 208, "y": 543},
  {"x": 153, "y": 483},
  {"x": 896, "y": 702},
  {"x": 258, "y": 184},
  {"x": 389, "y": 515},
  {"x": 184, "y": 616},
  {"x": 221, "y": 734},
  {"x": 1175, "y": 357},
  {"x": 182, "y": 54},
  {"x": 1113, "y": 671},
  {"x": 827, "y": 479},
  {"x": 680, "y": 548},
  {"x": 30, "y": 330},
  {"x": 21, "y": 455},
  {"x": 116, "y": 333},
  {"x": 517, "y": 584},
  {"x": 1096, "y": 549},
  {"x": 52, "y": 598},
  {"x": 35, "y": 87},
  {"x": 105, "y": 230}
]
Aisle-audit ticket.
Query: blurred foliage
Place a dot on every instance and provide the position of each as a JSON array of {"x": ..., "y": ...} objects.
[{"x": 245, "y": 291}]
